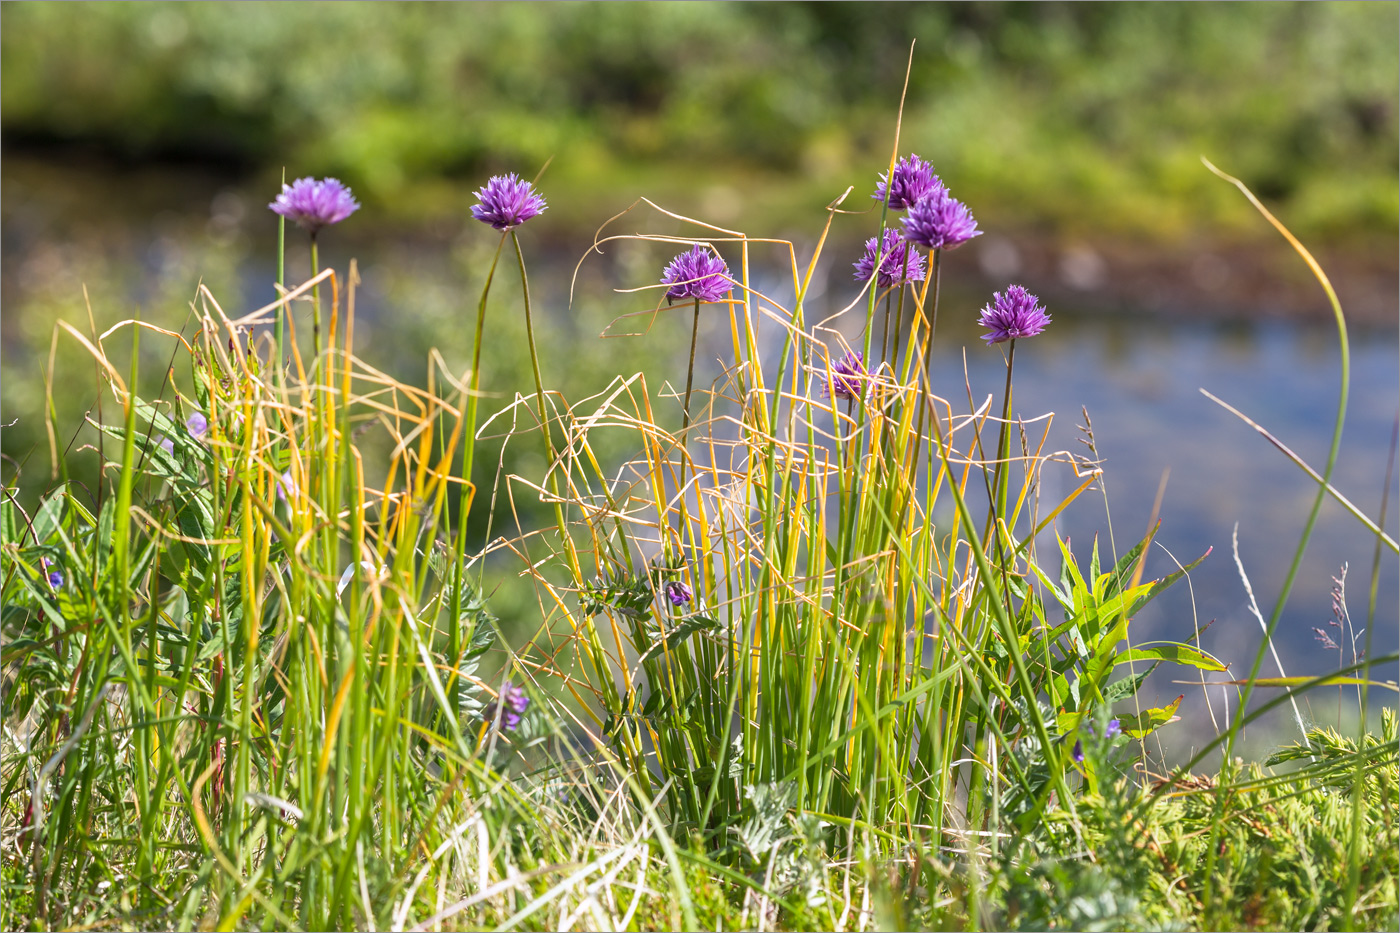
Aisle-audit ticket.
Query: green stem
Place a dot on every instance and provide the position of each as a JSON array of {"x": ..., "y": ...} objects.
[
  {"x": 315, "y": 303},
  {"x": 534, "y": 354},
  {"x": 690, "y": 371}
]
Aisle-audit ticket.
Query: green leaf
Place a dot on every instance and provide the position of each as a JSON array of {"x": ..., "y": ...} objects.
[
  {"x": 1172, "y": 651},
  {"x": 688, "y": 627},
  {"x": 1149, "y": 720}
]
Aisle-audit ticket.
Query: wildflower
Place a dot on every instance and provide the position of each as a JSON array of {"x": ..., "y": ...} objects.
[
  {"x": 507, "y": 708},
  {"x": 678, "y": 593},
  {"x": 314, "y": 204},
  {"x": 1012, "y": 314},
  {"x": 699, "y": 273},
  {"x": 55, "y": 576},
  {"x": 1112, "y": 729},
  {"x": 913, "y": 182},
  {"x": 507, "y": 201},
  {"x": 898, "y": 263},
  {"x": 286, "y": 486},
  {"x": 167, "y": 445},
  {"x": 940, "y": 221},
  {"x": 846, "y": 376},
  {"x": 197, "y": 424}
]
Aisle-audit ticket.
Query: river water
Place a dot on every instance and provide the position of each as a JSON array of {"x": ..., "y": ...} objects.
[{"x": 146, "y": 241}]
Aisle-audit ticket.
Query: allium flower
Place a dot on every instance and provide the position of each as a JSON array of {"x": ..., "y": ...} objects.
[
  {"x": 698, "y": 273},
  {"x": 507, "y": 201},
  {"x": 898, "y": 263},
  {"x": 678, "y": 593},
  {"x": 198, "y": 424},
  {"x": 940, "y": 221},
  {"x": 1013, "y": 313},
  {"x": 913, "y": 181},
  {"x": 847, "y": 374},
  {"x": 507, "y": 709},
  {"x": 313, "y": 204}
]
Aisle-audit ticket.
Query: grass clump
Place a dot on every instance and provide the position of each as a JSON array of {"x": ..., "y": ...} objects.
[{"x": 809, "y": 655}]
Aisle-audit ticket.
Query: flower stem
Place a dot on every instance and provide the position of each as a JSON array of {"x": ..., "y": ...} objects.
[
  {"x": 534, "y": 354},
  {"x": 315, "y": 303},
  {"x": 690, "y": 371}
]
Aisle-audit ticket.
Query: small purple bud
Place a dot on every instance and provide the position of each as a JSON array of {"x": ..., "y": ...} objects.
[{"x": 678, "y": 593}]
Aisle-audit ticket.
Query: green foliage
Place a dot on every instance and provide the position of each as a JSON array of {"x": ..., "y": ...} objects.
[{"x": 1084, "y": 114}]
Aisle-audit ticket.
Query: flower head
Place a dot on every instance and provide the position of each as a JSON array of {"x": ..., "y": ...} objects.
[
  {"x": 507, "y": 709},
  {"x": 940, "y": 221},
  {"x": 697, "y": 273},
  {"x": 1013, "y": 313},
  {"x": 507, "y": 201},
  {"x": 313, "y": 204},
  {"x": 678, "y": 593},
  {"x": 197, "y": 424},
  {"x": 898, "y": 263},
  {"x": 847, "y": 374},
  {"x": 913, "y": 181},
  {"x": 55, "y": 576}
]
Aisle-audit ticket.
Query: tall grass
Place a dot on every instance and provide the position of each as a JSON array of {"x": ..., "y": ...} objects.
[{"x": 795, "y": 639}]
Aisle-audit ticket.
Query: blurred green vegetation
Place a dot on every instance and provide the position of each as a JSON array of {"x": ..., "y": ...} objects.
[{"x": 1084, "y": 117}]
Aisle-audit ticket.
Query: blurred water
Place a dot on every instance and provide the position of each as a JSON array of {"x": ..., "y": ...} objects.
[{"x": 1138, "y": 373}]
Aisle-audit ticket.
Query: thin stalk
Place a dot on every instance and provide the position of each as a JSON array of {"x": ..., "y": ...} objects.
[
  {"x": 534, "y": 357},
  {"x": 690, "y": 371},
  {"x": 315, "y": 305}
]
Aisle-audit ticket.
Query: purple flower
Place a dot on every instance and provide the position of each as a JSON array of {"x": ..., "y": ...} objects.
[
  {"x": 1113, "y": 729},
  {"x": 699, "y": 273},
  {"x": 1013, "y": 313},
  {"x": 198, "y": 424},
  {"x": 940, "y": 221},
  {"x": 286, "y": 486},
  {"x": 913, "y": 182},
  {"x": 507, "y": 201},
  {"x": 1078, "y": 753},
  {"x": 55, "y": 576},
  {"x": 313, "y": 204},
  {"x": 507, "y": 708},
  {"x": 678, "y": 593},
  {"x": 898, "y": 263},
  {"x": 167, "y": 445},
  {"x": 847, "y": 374}
]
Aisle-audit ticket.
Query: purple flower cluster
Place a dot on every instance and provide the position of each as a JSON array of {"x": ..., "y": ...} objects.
[
  {"x": 507, "y": 709},
  {"x": 314, "y": 204},
  {"x": 1112, "y": 730},
  {"x": 1012, "y": 314},
  {"x": 678, "y": 593},
  {"x": 847, "y": 375},
  {"x": 898, "y": 263},
  {"x": 913, "y": 182},
  {"x": 940, "y": 221},
  {"x": 697, "y": 273},
  {"x": 506, "y": 202}
]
